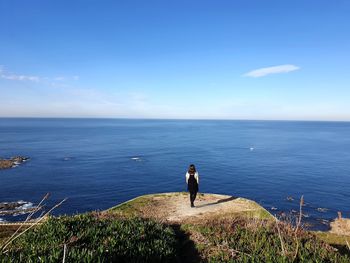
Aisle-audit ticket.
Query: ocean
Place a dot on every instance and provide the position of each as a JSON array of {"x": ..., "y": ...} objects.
[{"x": 98, "y": 163}]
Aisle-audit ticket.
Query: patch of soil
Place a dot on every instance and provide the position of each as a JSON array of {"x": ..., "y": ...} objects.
[{"x": 175, "y": 207}]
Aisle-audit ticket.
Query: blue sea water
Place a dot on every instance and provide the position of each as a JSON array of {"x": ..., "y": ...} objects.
[{"x": 98, "y": 163}]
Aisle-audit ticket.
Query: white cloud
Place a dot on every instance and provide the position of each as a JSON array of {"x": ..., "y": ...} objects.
[
  {"x": 11, "y": 76},
  {"x": 59, "y": 78},
  {"x": 20, "y": 77},
  {"x": 261, "y": 72},
  {"x": 4, "y": 74},
  {"x": 66, "y": 78}
]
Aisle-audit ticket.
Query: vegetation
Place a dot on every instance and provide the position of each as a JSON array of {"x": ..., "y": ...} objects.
[
  {"x": 5, "y": 232},
  {"x": 93, "y": 238},
  {"x": 132, "y": 208},
  {"x": 251, "y": 240},
  {"x": 122, "y": 234},
  {"x": 135, "y": 206},
  {"x": 340, "y": 242},
  {"x": 96, "y": 237}
]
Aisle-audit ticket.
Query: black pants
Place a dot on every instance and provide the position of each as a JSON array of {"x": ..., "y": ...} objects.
[{"x": 192, "y": 197}]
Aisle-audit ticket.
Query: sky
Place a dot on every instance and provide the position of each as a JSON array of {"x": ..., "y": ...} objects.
[{"x": 183, "y": 59}]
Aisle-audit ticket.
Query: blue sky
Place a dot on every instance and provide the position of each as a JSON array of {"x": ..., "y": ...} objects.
[{"x": 246, "y": 59}]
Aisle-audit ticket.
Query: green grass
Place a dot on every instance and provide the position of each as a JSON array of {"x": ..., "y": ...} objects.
[
  {"x": 335, "y": 240},
  {"x": 131, "y": 208},
  {"x": 331, "y": 238},
  {"x": 120, "y": 235},
  {"x": 259, "y": 213},
  {"x": 90, "y": 238},
  {"x": 98, "y": 237}
]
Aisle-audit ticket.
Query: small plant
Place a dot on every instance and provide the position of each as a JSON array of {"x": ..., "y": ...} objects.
[
  {"x": 30, "y": 222},
  {"x": 92, "y": 238}
]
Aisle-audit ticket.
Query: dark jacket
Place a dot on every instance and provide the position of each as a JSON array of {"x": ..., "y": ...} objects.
[{"x": 192, "y": 185}]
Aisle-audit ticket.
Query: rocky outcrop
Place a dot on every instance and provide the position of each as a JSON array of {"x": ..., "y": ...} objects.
[
  {"x": 12, "y": 162},
  {"x": 340, "y": 226},
  {"x": 16, "y": 208},
  {"x": 175, "y": 207}
]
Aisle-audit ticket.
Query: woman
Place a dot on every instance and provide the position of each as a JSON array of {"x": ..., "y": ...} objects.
[{"x": 192, "y": 180}]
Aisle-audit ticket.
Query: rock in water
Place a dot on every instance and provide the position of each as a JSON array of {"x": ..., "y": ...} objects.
[
  {"x": 290, "y": 198},
  {"x": 16, "y": 208},
  {"x": 5, "y": 164},
  {"x": 12, "y": 162}
]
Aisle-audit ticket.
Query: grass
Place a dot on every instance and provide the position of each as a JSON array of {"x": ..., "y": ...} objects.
[
  {"x": 131, "y": 208},
  {"x": 6, "y": 231},
  {"x": 335, "y": 240},
  {"x": 257, "y": 211},
  {"x": 331, "y": 238},
  {"x": 92, "y": 238},
  {"x": 96, "y": 237},
  {"x": 251, "y": 240},
  {"x": 121, "y": 235},
  {"x": 135, "y": 207}
]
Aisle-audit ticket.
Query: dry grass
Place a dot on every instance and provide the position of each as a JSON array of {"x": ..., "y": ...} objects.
[
  {"x": 241, "y": 239},
  {"x": 341, "y": 226}
]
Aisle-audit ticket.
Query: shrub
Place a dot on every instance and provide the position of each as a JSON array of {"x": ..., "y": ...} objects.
[{"x": 90, "y": 238}]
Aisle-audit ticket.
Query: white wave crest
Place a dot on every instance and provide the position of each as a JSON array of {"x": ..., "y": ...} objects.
[
  {"x": 138, "y": 159},
  {"x": 27, "y": 206},
  {"x": 24, "y": 205}
]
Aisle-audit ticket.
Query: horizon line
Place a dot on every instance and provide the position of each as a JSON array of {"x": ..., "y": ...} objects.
[{"x": 173, "y": 119}]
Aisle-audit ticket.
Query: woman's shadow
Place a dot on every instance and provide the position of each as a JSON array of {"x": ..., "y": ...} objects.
[{"x": 218, "y": 201}]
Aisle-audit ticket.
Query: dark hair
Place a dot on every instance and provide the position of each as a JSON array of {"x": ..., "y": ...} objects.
[{"x": 192, "y": 169}]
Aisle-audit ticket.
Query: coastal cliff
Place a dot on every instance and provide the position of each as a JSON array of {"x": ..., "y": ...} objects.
[
  {"x": 164, "y": 228},
  {"x": 175, "y": 207}
]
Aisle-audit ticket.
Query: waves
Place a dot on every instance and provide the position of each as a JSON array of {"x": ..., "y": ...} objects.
[{"x": 15, "y": 208}]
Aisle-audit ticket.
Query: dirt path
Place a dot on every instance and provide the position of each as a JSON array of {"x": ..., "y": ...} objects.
[{"x": 175, "y": 207}]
